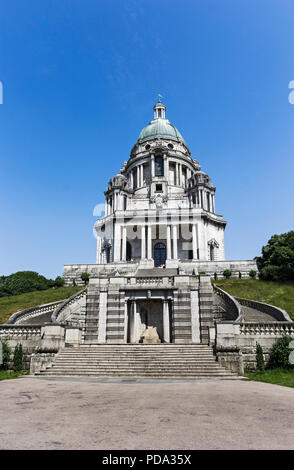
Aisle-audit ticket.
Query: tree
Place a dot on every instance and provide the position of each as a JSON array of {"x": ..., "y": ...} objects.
[
  {"x": 259, "y": 358},
  {"x": 5, "y": 355},
  {"x": 277, "y": 260},
  {"x": 280, "y": 353},
  {"x": 227, "y": 273},
  {"x": 21, "y": 282},
  {"x": 85, "y": 277},
  {"x": 59, "y": 281},
  {"x": 17, "y": 358}
]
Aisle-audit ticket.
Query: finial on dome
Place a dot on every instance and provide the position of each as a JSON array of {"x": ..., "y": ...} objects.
[{"x": 159, "y": 109}]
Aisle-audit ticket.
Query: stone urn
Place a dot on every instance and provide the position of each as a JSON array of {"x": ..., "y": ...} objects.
[{"x": 150, "y": 336}]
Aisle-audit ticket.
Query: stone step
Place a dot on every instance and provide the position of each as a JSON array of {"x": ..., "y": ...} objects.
[{"x": 149, "y": 361}]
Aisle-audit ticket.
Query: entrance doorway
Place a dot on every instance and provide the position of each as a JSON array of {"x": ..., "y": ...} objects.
[
  {"x": 159, "y": 254},
  {"x": 145, "y": 313}
]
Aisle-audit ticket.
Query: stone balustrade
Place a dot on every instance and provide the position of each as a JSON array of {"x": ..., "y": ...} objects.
[
  {"x": 21, "y": 332},
  {"x": 231, "y": 306},
  {"x": 276, "y": 312},
  {"x": 271, "y": 329},
  {"x": 57, "y": 313},
  {"x": 32, "y": 312}
]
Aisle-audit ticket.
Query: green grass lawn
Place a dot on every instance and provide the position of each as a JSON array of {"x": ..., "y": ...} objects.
[
  {"x": 280, "y": 294},
  {"x": 14, "y": 303},
  {"x": 276, "y": 376},
  {"x": 10, "y": 374}
]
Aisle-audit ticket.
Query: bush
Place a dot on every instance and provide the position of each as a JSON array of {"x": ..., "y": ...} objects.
[
  {"x": 259, "y": 357},
  {"x": 215, "y": 276},
  {"x": 227, "y": 273},
  {"x": 252, "y": 273},
  {"x": 18, "y": 358},
  {"x": 59, "y": 282},
  {"x": 85, "y": 277},
  {"x": 21, "y": 282},
  {"x": 5, "y": 355},
  {"x": 279, "y": 354}
]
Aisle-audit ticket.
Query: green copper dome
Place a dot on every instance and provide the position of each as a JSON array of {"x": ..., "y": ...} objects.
[{"x": 160, "y": 128}]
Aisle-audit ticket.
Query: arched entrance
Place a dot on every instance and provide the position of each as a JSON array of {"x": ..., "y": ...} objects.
[{"x": 159, "y": 254}]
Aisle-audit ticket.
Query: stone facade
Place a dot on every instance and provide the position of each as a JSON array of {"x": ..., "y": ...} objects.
[{"x": 159, "y": 231}]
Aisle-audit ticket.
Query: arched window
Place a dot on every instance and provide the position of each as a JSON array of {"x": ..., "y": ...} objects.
[
  {"x": 159, "y": 254},
  {"x": 159, "y": 166}
]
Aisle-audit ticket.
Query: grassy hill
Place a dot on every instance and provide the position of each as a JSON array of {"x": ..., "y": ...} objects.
[
  {"x": 280, "y": 294},
  {"x": 14, "y": 303}
]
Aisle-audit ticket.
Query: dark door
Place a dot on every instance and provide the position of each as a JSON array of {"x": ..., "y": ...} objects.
[{"x": 159, "y": 254}]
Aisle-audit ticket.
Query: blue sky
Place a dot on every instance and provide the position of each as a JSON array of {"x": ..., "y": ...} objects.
[{"x": 80, "y": 78}]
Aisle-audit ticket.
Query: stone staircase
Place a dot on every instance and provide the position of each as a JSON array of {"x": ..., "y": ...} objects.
[{"x": 164, "y": 361}]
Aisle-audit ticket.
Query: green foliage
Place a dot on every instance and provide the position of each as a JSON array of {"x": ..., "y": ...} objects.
[
  {"x": 202, "y": 273},
  {"x": 18, "y": 358},
  {"x": 26, "y": 281},
  {"x": 227, "y": 273},
  {"x": 279, "y": 354},
  {"x": 85, "y": 277},
  {"x": 277, "y": 260},
  {"x": 6, "y": 351},
  {"x": 59, "y": 282},
  {"x": 252, "y": 273},
  {"x": 259, "y": 357}
]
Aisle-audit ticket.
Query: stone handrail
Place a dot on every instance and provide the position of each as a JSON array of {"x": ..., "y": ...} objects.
[
  {"x": 233, "y": 308},
  {"x": 267, "y": 328},
  {"x": 278, "y": 313},
  {"x": 19, "y": 331},
  {"x": 65, "y": 303},
  {"x": 31, "y": 312}
]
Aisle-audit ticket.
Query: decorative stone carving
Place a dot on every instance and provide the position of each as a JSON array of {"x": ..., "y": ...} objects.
[{"x": 150, "y": 336}]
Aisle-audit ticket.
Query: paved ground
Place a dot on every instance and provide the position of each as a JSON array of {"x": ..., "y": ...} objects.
[{"x": 39, "y": 413}]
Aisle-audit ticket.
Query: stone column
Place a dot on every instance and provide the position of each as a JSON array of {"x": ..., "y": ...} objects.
[
  {"x": 177, "y": 174},
  {"x": 166, "y": 326},
  {"x": 152, "y": 166},
  {"x": 138, "y": 176},
  {"x": 142, "y": 175},
  {"x": 195, "y": 316},
  {"x": 136, "y": 323},
  {"x": 124, "y": 243},
  {"x": 102, "y": 317},
  {"x": 149, "y": 242},
  {"x": 168, "y": 242},
  {"x": 117, "y": 242},
  {"x": 175, "y": 242},
  {"x": 194, "y": 241},
  {"x": 132, "y": 179},
  {"x": 98, "y": 253},
  {"x": 165, "y": 166},
  {"x": 143, "y": 242},
  {"x": 180, "y": 174},
  {"x": 126, "y": 322}
]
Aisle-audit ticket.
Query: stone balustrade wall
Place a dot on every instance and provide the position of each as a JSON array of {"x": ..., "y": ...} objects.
[
  {"x": 278, "y": 313},
  {"x": 244, "y": 336},
  {"x": 32, "y": 312}
]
